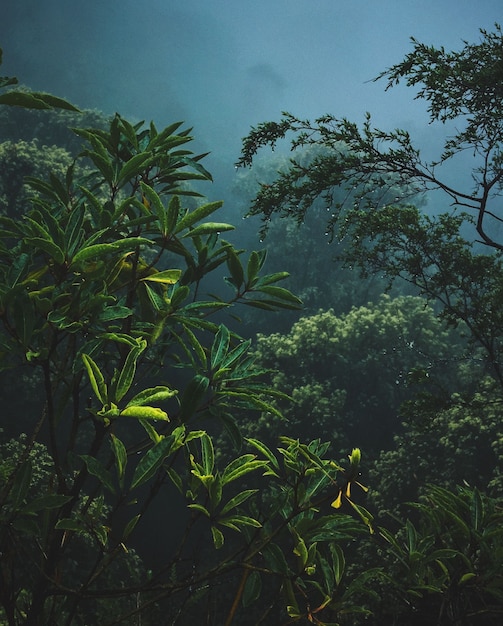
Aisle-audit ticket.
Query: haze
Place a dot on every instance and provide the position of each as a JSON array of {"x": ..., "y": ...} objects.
[{"x": 223, "y": 65}]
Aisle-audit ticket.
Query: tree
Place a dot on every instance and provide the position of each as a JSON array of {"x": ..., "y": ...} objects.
[
  {"x": 349, "y": 375},
  {"x": 384, "y": 233},
  {"x": 26, "y": 158},
  {"x": 101, "y": 298}
]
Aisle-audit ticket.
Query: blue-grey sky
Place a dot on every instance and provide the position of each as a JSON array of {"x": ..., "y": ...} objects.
[{"x": 223, "y": 65}]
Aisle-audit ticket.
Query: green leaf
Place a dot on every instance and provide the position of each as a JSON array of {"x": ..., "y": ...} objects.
[
  {"x": 232, "y": 429},
  {"x": 151, "y": 461},
  {"x": 135, "y": 166},
  {"x": 48, "y": 246},
  {"x": 130, "y": 526},
  {"x": 73, "y": 525},
  {"x": 54, "y": 102},
  {"x": 338, "y": 562},
  {"x": 23, "y": 99},
  {"x": 74, "y": 231},
  {"x": 207, "y": 454},
  {"x": 235, "y": 268},
  {"x": 252, "y": 590},
  {"x": 235, "y": 521},
  {"x": 151, "y": 431},
  {"x": 21, "y": 484},
  {"x": 197, "y": 215},
  {"x": 261, "y": 447},
  {"x": 157, "y": 207},
  {"x": 152, "y": 395},
  {"x": 93, "y": 252},
  {"x": 145, "y": 413},
  {"x": 166, "y": 277},
  {"x": 218, "y": 537},
  {"x": 220, "y": 346},
  {"x": 275, "y": 559},
  {"x": 127, "y": 373},
  {"x": 117, "y": 312},
  {"x": 200, "y": 508},
  {"x": 192, "y": 396},
  {"x": 95, "y": 468},
  {"x": 52, "y": 501},
  {"x": 96, "y": 379},
  {"x": 172, "y": 214},
  {"x": 280, "y": 293},
  {"x": 237, "y": 500},
  {"x": 241, "y": 466},
  {"x": 208, "y": 228},
  {"x": 253, "y": 267},
  {"x": 120, "y": 454}
]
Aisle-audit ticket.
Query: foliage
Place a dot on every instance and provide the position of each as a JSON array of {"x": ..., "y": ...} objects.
[
  {"x": 444, "y": 568},
  {"x": 383, "y": 233},
  {"x": 100, "y": 296},
  {"x": 21, "y": 159},
  {"x": 454, "y": 444},
  {"x": 348, "y": 375},
  {"x": 290, "y": 244}
]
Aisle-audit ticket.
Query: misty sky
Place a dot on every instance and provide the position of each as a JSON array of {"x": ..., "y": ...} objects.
[{"x": 223, "y": 65}]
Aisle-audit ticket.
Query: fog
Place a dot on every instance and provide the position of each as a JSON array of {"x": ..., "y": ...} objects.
[{"x": 223, "y": 65}]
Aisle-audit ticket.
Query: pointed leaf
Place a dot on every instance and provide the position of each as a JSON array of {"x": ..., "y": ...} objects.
[
  {"x": 95, "y": 468},
  {"x": 96, "y": 379},
  {"x": 152, "y": 461}
]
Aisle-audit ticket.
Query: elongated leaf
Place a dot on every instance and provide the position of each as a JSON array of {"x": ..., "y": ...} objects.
[
  {"x": 208, "y": 228},
  {"x": 192, "y": 396},
  {"x": 152, "y": 395},
  {"x": 275, "y": 559},
  {"x": 130, "y": 526},
  {"x": 235, "y": 268},
  {"x": 23, "y": 99},
  {"x": 151, "y": 462},
  {"x": 156, "y": 206},
  {"x": 220, "y": 346},
  {"x": 172, "y": 215},
  {"x": 218, "y": 537},
  {"x": 253, "y": 267},
  {"x": 151, "y": 431},
  {"x": 253, "y": 589},
  {"x": 145, "y": 413},
  {"x": 166, "y": 277},
  {"x": 199, "y": 507},
  {"x": 281, "y": 293},
  {"x": 127, "y": 373},
  {"x": 21, "y": 484},
  {"x": 261, "y": 447},
  {"x": 235, "y": 521},
  {"x": 158, "y": 138},
  {"x": 237, "y": 500},
  {"x": 54, "y": 102},
  {"x": 73, "y": 525},
  {"x": 241, "y": 466},
  {"x": 95, "y": 468},
  {"x": 338, "y": 561},
  {"x": 197, "y": 215},
  {"x": 52, "y": 501},
  {"x": 120, "y": 454},
  {"x": 96, "y": 379},
  {"x": 73, "y": 230},
  {"x": 54, "y": 251},
  {"x": 208, "y": 454},
  {"x": 110, "y": 313},
  {"x": 94, "y": 252},
  {"x": 132, "y": 168}
]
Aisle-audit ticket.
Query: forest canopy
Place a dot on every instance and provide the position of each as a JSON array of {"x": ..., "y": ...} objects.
[{"x": 157, "y": 465}]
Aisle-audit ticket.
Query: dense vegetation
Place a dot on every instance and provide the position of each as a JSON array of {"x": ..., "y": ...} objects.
[{"x": 157, "y": 466}]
